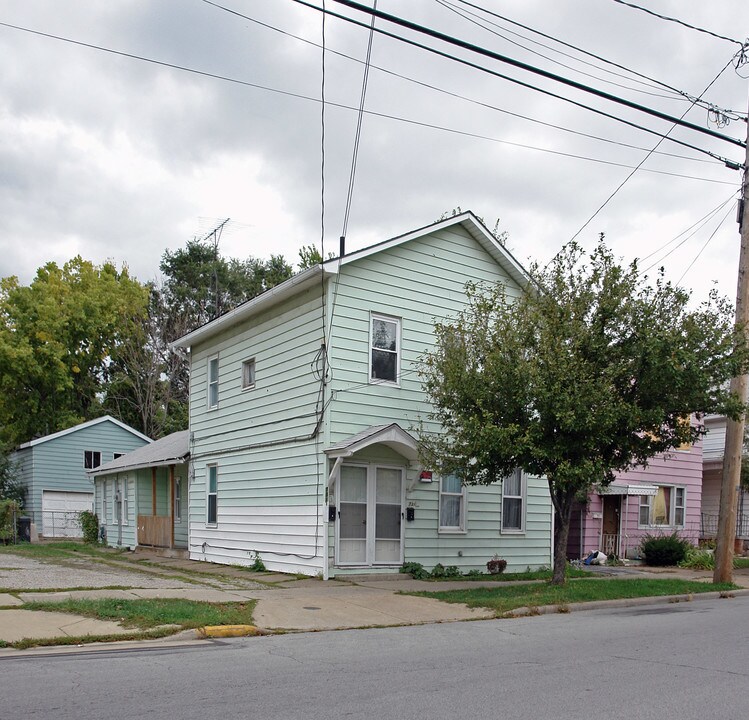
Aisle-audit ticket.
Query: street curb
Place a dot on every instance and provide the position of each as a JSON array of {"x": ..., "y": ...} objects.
[
  {"x": 622, "y": 603},
  {"x": 225, "y": 631}
]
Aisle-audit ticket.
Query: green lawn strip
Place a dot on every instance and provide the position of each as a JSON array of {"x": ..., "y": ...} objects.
[
  {"x": 146, "y": 614},
  {"x": 741, "y": 563},
  {"x": 26, "y": 643},
  {"x": 504, "y": 599},
  {"x": 528, "y": 575},
  {"x": 55, "y": 550}
]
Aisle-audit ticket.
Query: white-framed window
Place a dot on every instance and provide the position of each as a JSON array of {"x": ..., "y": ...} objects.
[
  {"x": 117, "y": 455},
  {"x": 91, "y": 459},
  {"x": 513, "y": 503},
  {"x": 178, "y": 499},
  {"x": 667, "y": 508},
  {"x": 213, "y": 382},
  {"x": 452, "y": 504},
  {"x": 212, "y": 495},
  {"x": 113, "y": 519},
  {"x": 125, "y": 508},
  {"x": 384, "y": 344},
  {"x": 248, "y": 374},
  {"x": 104, "y": 508}
]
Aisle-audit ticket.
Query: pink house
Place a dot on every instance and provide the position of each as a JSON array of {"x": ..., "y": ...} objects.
[{"x": 664, "y": 497}]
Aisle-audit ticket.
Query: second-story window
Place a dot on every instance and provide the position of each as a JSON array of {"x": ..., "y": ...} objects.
[
  {"x": 248, "y": 374},
  {"x": 91, "y": 459},
  {"x": 213, "y": 382},
  {"x": 384, "y": 362}
]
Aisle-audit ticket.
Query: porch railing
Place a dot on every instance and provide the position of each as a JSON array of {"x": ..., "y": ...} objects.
[{"x": 610, "y": 544}]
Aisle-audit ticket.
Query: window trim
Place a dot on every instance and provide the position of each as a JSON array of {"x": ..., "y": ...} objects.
[
  {"x": 647, "y": 501},
  {"x": 211, "y": 383},
  {"x": 246, "y": 364},
  {"x": 522, "y": 496},
  {"x": 459, "y": 529},
  {"x": 92, "y": 464},
  {"x": 398, "y": 328},
  {"x": 125, "y": 509},
  {"x": 209, "y": 469}
]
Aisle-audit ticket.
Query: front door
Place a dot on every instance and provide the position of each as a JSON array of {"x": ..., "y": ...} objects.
[
  {"x": 369, "y": 527},
  {"x": 610, "y": 525}
]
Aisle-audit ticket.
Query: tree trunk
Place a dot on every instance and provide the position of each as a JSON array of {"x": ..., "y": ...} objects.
[{"x": 562, "y": 516}]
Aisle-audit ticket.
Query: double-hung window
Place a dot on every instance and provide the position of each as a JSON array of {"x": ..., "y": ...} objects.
[
  {"x": 512, "y": 502},
  {"x": 384, "y": 356},
  {"x": 213, "y": 382},
  {"x": 452, "y": 504},
  {"x": 212, "y": 498}
]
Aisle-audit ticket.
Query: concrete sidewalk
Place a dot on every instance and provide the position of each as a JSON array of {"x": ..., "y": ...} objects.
[{"x": 284, "y": 603}]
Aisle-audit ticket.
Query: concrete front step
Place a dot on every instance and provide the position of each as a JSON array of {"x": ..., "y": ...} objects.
[{"x": 179, "y": 553}]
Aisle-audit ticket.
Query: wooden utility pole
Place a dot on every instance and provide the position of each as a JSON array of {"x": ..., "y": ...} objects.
[{"x": 734, "y": 428}]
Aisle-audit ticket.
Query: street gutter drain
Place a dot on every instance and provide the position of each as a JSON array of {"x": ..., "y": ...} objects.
[{"x": 311, "y": 607}]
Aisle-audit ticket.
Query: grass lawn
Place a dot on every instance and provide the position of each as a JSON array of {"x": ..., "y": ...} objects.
[
  {"x": 147, "y": 614},
  {"x": 503, "y": 599},
  {"x": 741, "y": 562},
  {"x": 61, "y": 549}
]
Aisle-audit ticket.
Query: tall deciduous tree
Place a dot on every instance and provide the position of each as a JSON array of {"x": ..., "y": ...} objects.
[
  {"x": 57, "y": 337},
  {"x": 589, "y": 372}
]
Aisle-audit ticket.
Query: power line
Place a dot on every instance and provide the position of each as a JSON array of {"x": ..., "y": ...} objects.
[
  {"x": 585, "y": 52},
  {"x": 707, "y": 242},
  {"x": 300, "y": 96},
  {"x": 647, "y": 156},
  {"x": 357, "y": 137},
  {"x": 444, "y": 91},
  {"x": 514, "y": 63},
  {"x": 479, "y": 21},
  {"x": 680, "y": 22}
]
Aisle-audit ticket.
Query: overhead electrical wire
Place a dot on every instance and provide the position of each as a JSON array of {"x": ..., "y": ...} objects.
[
  {"x": 680, "y": 22},
  {"x": 450, "y": 93},
  {"x": 734, "y": 113},
  {"x": 300, "y": 96},
  {"x": 704, "y": 221},
  {"x": 647, "y": 156},
  {"x": 478, "y": 21},
  {"x": 707, "y": 242},
  {"x": 435, "y": 34}
]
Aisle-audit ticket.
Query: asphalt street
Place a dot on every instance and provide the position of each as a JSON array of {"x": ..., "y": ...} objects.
[{"x": 682, "y": 660}]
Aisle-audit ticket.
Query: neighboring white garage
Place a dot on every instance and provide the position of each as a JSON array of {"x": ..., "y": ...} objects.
[{"x": 60, "y": 512}]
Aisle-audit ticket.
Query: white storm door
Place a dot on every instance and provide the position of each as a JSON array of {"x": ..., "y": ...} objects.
[
  {"x": 388, "y": 511},
  {"x": 352, "y": 516}
]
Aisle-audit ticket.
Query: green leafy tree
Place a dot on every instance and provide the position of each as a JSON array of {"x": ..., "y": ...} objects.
[
  {"x": 309, "y": 256},
  {"x": 57, "y": 338},
  {"x": 589, "y": 372},
  {"x": 11, "y": 488}
]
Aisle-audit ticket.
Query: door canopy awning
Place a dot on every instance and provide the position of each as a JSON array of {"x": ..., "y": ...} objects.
[
  {"x": 625, "y": 489},
  {"x": 393, "y": 435}
]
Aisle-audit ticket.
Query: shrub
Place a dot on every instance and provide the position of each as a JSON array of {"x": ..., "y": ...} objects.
[
  {"x": 452, "y": 571},
  {"x": 415, "y": 570},
  {"x": 497, "y": 565},
  {"x": 660, "y": 550},
  {"x": 90, "y": 526}
]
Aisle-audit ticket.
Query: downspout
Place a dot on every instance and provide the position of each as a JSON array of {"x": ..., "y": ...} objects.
[{"x": 626, "y": 524}]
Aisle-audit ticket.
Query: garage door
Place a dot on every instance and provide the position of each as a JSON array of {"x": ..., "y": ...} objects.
[{"x": 60, "y": 512}]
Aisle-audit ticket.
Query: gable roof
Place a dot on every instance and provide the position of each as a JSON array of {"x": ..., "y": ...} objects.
[
  {"x": 76, "y": 428},
  {"x": 170, "y": 450},
  {"x": 312, "y": 276}
]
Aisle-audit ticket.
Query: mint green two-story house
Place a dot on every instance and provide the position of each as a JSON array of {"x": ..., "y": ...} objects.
[{"x": 304, "y": 404}]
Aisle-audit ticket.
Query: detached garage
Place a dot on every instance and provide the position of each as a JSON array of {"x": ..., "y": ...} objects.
[
  {"x": 60, "y": 512},
  {"x": 54, "y": 471}
]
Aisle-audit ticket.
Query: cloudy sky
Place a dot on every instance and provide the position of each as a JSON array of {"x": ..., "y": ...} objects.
[{"x": 113, "y": 157}]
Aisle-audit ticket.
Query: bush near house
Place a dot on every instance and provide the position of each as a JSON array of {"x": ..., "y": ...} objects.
[
  {"x": 90, "y": 526},
  {"x": 661, "y": 550}
]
